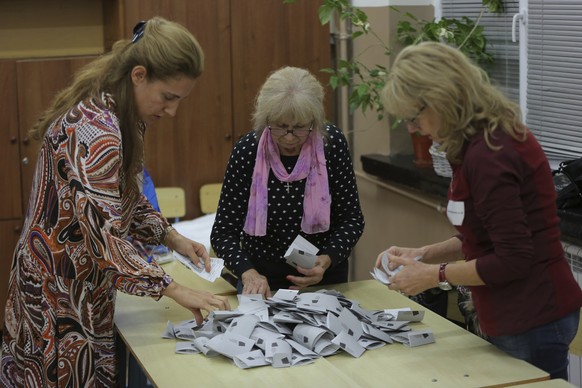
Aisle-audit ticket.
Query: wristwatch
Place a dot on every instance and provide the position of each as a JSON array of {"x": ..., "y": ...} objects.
[{"x": 443, "y": 283}]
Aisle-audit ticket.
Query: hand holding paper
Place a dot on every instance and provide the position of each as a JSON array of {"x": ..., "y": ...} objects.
[
  {"x": 216, "y": 266},
  {"x": 301, "y": 253},
  {"x": 303, "y": 256},
  {"x": 383, "y": 276},
  {"x": 299, "y": 258}
]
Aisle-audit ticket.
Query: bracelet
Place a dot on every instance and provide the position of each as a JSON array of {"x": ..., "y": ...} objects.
[{"x": 166, "y": 233}]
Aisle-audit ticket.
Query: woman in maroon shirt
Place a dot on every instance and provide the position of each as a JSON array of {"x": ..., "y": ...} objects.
[{"x": 501, "y": 200}]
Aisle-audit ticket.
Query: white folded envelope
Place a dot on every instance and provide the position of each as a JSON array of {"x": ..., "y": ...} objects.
[
  {"x": 301, "y": 253},
  {"x": 414, "y": 337}
]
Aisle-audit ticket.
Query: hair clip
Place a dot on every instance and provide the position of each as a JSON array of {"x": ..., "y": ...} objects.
[{"x": 138, "y": 31}]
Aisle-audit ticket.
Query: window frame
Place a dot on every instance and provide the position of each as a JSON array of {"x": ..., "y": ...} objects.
[{"x": 540, "y": 88}]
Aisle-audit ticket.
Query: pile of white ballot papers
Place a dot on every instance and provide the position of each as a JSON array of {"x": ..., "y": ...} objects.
[{"x": 291, "y": 329}]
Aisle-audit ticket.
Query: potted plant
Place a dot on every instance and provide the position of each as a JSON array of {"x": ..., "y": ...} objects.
[
  {"x": 367, "y": 81},
  {"x": 421, "y": 147}
]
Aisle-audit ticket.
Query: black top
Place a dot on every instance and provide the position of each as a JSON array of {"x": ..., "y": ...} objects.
[{"x": 242, "y": 252}]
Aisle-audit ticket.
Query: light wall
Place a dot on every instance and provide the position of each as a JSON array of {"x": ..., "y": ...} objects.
[
  {"x": 395, "y": 219},
  {"x": 401, "y": 216},
  {"x": 368, "y": 134}
]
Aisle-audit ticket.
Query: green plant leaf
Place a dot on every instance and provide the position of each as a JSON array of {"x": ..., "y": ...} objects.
[
  {"x": 333, "y": 82},
  {"x": 325, "y": 12},
  {"x": 362, "y": 89},
  {"x": 367, "y": 81},
  {"x": 495, "y": 6}
]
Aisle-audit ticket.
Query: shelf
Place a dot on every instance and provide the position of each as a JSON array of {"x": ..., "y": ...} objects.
[
  {"x": 55, "y": 28},
  {"x": 401, "y": 169}
]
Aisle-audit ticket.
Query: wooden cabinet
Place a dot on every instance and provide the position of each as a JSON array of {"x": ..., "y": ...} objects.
[
  {"x": 268, "y": 35},
  {"x": 192, "y": 148},
  {"x": 10, "y": 232},
  {"x": 26, "y": 89},
  {"x": 10, "y": 194},
  {"x": 243, "y": 41},
  {"x": 38, "y": 81}
]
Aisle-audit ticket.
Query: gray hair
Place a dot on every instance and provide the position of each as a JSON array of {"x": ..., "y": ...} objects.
[{"x": 289, "y": 94}]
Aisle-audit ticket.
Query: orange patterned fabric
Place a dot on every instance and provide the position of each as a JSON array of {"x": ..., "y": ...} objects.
[{"x": 73, "y": 256}]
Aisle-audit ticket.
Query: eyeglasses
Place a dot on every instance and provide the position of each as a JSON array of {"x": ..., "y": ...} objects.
[
  {"x": 138, "y": 31},
  {"x": 295, "y": 130},
  {"x": 412, "y": 121}
]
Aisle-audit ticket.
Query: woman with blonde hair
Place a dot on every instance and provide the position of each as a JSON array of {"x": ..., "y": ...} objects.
[
  {"x": 73, "y": 254},
  {"x": 291, "y": 176},
  {"x": 501, "y": 200}
]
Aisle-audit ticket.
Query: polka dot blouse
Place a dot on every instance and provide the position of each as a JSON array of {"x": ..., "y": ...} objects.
[{"x": 242, "y": 252}]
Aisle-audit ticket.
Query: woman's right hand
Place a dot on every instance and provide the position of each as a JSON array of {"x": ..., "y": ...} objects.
[
  {"x": 196, "y": 300},
  {"x": 255, "y": 283}
]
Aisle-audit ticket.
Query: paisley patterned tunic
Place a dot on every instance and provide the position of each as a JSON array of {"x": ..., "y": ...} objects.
[{"x": 73, "y": 256}]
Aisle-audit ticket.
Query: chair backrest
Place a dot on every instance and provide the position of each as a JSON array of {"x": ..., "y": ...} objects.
[
  {"x": 209, "y": 195},
  {"x": 172, "y": 201}
]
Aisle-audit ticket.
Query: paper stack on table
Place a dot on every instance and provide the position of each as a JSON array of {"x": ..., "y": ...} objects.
[{"x": 291, "y": 329}]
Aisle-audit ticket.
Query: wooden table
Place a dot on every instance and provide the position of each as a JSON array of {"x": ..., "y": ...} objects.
[
  {"x": 555, "y": 383},
  {"x": 457, "y": 359},
  {"x": 186, "y": 277}
]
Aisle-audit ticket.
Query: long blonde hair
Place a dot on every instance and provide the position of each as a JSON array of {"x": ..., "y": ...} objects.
[
  {"x": 442, "y": 78},
  {"x": 166, "y": 49},
  {"x": 289, "y": 93}
]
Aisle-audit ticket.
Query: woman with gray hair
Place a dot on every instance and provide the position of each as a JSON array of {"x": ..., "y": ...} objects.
[
  {"x": 292, "y": 175},
  {"x": 501, "y": 200},
  {"x": 73, "y": 254}
]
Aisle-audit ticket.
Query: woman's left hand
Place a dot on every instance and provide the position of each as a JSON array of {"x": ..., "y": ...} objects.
[
  {"x": 189, "y": 248},
  {"x": 196, "y": 300},
  {"x": 310, "y": 276}
]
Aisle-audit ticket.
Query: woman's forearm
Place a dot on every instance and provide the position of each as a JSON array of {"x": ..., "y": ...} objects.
[{"x": 444, "y": 251}]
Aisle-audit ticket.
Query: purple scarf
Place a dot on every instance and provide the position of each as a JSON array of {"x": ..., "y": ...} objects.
[{"x": 310, "y": 164}]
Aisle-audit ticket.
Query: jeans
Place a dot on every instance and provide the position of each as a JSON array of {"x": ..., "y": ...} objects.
[{"x": 545, "y": 347}]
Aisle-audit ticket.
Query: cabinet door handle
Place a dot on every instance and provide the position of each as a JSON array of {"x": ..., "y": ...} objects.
[
  {"x": 25, "y": 161},
  {"x": 228, "y": 136},
  {"x": 25, "y": 140},
  {"x": 13, "y": 139},
  {"x": 17, "y": 229}
]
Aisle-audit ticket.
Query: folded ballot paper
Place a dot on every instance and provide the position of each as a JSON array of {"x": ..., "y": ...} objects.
[
  {"x": 406, "y": 314},
  {"x": 216, "y": 266},
  {"x": 301, "y": 253},
  {"x": 414, "y": 338},
  {"x": 292, "y": 328}
]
